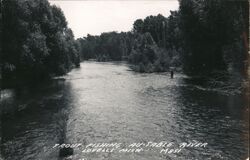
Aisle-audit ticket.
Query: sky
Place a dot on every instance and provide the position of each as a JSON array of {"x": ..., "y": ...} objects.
[{"x": 97, "y": 16}]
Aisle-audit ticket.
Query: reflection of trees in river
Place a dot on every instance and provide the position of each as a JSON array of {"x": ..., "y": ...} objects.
[
  {"x": 214, "y": 117},
  {"x": 37, "y": 121},
  {"x": 98, "y": 104}
]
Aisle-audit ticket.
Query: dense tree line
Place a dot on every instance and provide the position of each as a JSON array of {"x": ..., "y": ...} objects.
[
  {"x": 37, "y": 43},
  {"x": 107, "y": 46},
  {"x": 214, "y": 33},
  {"x": 202, "y": 36},
  {"x": 167, "y": 36},
  {"x": 138, "y": 49}
]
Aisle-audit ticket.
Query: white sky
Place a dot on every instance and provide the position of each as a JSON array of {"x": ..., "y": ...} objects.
[{"x": 97, "y": 16}]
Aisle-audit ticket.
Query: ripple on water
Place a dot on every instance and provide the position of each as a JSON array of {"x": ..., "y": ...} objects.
[{"x": 106, "y": 102}]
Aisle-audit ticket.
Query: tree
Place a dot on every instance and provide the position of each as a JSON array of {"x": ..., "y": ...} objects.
[
  {"x": 37, "y": 41},
  {"x": 207, "y": 27}
]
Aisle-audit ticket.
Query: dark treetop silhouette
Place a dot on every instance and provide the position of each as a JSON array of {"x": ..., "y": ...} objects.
[{"x": 201, "y": 37}]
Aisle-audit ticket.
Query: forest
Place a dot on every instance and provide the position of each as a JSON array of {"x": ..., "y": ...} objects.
[
  {"x": 37, "y": 43},
  {"x": 199, "y": 38}
]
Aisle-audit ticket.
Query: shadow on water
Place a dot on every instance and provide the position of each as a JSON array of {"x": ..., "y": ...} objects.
[
  {"x": 34, "y": 119},
  {"x": 215, "y": 118},
  {"x": 102, "y": 102}
]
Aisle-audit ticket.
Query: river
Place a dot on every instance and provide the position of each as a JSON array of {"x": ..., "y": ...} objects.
[{"x": 107, "y": 102}]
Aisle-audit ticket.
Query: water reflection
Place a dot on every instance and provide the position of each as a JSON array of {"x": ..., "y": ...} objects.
[
  {"x": 105, "y": 102},
  {"x": 218, "y": 118},
  {"x": 36, "y": 120}
]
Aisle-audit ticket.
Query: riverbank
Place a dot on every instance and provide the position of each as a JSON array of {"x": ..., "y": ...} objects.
[{"x": 107, "y": 102}]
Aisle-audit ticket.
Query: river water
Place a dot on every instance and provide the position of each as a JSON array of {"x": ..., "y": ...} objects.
[{"x": 108, "y": 103}]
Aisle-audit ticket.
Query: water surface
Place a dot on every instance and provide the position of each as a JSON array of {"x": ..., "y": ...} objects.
[{"x": 106, "y": 102}]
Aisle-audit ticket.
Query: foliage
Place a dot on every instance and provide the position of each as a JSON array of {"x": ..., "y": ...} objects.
[
  {"x": 37, "y": 42},
  {"x": 139, "y": 49},
  {"x": 201, "y": 37},
  {"x": 107, "y": 46},
  {"x": 209, "y": 29}
]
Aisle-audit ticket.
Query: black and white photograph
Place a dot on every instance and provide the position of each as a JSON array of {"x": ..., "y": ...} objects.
[{"x": 124, "y": 80}]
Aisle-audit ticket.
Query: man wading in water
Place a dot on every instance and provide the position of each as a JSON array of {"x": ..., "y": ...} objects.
[{"x": 172, "y": 73}]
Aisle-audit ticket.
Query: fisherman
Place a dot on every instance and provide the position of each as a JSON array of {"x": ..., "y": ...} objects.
[{"x": 172, "y": 73}]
